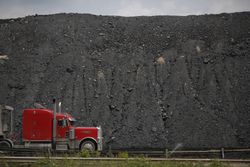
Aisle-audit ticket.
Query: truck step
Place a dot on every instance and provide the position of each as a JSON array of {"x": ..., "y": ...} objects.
[{"x": 61, "y": 147}]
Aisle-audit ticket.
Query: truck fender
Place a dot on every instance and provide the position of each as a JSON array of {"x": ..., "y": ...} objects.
[
  {"x": 88, "y": 139},
  {"x": 8, "y": 141}
]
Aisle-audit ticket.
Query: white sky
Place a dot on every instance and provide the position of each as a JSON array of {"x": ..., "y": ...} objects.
[{"x": 21, "y": 8}]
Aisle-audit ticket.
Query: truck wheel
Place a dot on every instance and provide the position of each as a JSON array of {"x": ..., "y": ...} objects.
[
  {"x": 5, "y": 144},
  {"x": 88, "y": 145}
]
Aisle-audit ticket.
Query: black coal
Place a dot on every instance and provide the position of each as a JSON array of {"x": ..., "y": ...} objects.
[{"x": 150, "y": 82}]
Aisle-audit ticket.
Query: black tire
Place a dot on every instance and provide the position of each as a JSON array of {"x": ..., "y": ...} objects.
[
  {"x": 5, "y": 144},
  {"x": 88, "y": 145}
]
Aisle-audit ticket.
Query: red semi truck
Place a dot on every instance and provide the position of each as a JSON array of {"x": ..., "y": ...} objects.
[{"x": 44, "y": 128}]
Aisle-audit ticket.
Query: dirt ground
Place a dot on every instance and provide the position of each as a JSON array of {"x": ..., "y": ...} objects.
[{"x": 150, "y": 82}]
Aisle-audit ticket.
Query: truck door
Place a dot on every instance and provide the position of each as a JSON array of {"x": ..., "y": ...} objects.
[{"x": 62, "y": 128}]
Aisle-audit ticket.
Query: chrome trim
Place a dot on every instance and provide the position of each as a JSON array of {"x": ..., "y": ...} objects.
[{"x": 26, "y": 140}]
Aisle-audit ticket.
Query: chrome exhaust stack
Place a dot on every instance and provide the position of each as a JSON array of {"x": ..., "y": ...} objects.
[
  {"x": 60, "y": 107},
  {"x": 54, "y": 126}
]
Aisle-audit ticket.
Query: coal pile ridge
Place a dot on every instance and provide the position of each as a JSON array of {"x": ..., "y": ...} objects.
[{"x": 150, "y": 82}]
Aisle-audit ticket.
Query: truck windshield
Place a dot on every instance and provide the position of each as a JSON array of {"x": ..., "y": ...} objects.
[{"x": 72, "y": 122}]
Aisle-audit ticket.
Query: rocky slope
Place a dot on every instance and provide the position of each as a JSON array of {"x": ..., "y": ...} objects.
[{"x": 150, "y": 82}]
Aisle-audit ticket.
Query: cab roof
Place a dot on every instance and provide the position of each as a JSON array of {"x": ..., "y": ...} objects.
[{"x": 50, "y": 112}]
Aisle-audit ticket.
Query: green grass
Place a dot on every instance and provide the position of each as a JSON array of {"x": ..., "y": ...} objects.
[
  {"x": 127, "y": 163},
  {"x": 140, "y": 161},
  {"x": 122, "y": 155}
]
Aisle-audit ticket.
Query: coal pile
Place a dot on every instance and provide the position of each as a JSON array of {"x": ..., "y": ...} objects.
[{"x": 150, "y": 82}]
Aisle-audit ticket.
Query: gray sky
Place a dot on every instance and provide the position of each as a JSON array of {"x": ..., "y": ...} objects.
[{"x": 20, "y": 8}]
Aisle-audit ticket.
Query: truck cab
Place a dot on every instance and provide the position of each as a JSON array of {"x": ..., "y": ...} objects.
[{"x": 38, "y": 130}]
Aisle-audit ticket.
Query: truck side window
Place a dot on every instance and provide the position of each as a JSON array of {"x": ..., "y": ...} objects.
[{"x": 62, "y": 123}]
